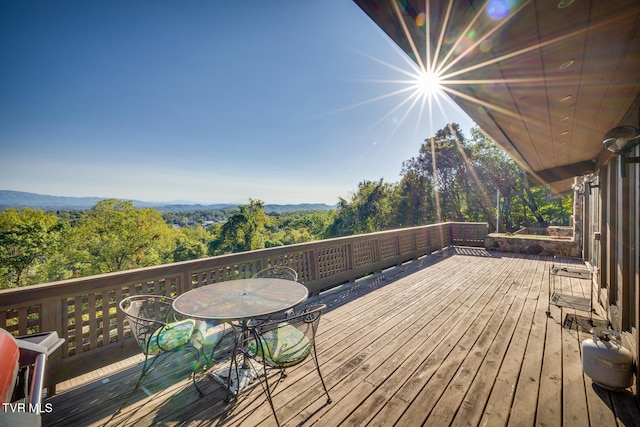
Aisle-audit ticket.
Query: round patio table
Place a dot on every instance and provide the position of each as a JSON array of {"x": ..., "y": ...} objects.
[{"x": 241, "y": 300}]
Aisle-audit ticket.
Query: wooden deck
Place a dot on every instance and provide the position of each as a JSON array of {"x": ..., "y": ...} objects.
[{"x": 459, "y": 338}]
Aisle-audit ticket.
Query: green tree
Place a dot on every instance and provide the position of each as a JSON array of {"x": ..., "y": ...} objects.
[
  {"x": 521, "y": 205},
  {"x": 114, "y": 235},
  {"x": 435, "y": 184},
  {"x": 451, "y": 179},
  {"x": 369, "y": 210},
  {"x": 494, "y": 171},
  {"x": 287, "y": 228},
  {"x": 191, "y": 243},
  {"x": 27, "y": 238},
  {"x": 244, "y": 231},
  {"x": 315, "y": 223},
  {"x": 449, "y": 169},
  {"x": 416, "y": 192}
]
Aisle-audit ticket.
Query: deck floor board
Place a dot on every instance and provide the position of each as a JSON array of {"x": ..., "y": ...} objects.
[{"x": 456, "y": 338}]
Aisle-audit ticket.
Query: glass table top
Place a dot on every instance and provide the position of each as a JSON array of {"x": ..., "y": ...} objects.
[{"x": 241, "y": 299}]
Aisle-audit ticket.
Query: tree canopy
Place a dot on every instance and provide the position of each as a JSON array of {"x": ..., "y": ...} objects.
[
  {"x": 114, "y": 235},
  {"x": 26, "y": 238},
  {"x": 244, "y": 231},
  {"x": 451, "y": 179}
]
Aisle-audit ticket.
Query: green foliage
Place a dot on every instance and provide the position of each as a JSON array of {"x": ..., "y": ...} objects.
[
  {"x": 296, "y": 227},
  {"x": 27, "y": 237},
  {"x": 369, "y": 210},
  {"x": 451, "y": 179},
  {"x": 244, "y": 231},
  {"x": 114, "y": 235},
  {"x": 39, "y": 247},
  {"x": 191, "y": 243}
]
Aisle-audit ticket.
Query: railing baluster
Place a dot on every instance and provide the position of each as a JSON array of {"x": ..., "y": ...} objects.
[{"x": 92, "y": 323}]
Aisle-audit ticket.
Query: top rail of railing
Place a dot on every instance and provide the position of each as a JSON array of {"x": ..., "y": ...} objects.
[{"x": 84, "y": 311}]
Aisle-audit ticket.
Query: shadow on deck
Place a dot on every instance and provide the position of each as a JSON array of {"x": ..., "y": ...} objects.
[{"x": 457, "y": 337}]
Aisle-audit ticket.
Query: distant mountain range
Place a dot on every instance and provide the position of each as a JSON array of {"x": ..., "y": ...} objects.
[{"x": 20, "y": 199}]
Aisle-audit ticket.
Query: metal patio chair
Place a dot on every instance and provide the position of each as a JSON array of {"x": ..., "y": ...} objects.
[
  {"x": 278, "y": 272},
  {"x": 285, "y": 343},
  {"x": 160, "y": 331}
]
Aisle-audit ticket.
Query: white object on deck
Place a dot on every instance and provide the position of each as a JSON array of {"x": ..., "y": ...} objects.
[{"x": 608, "y": 363}]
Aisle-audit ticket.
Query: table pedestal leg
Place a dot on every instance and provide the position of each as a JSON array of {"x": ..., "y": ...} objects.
[{"x": 239, "y": 376}]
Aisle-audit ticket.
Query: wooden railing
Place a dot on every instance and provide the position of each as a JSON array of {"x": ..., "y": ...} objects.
[{"x": 84, "y": 311}]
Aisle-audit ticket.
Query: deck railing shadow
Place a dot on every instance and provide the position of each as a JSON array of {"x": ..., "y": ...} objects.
[
  {"x": 477, "y": 252},
  {"x": 341, "y": 294}
]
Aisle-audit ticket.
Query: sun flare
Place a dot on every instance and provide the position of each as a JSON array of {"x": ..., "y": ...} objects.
[{"x": 428, "y": 83}]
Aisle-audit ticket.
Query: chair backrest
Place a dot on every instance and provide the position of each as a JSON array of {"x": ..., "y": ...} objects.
[
  {"x": 146, "y": 314},
  {"x": 278, "y": 272},
  {"x": 289, "y": 341}
]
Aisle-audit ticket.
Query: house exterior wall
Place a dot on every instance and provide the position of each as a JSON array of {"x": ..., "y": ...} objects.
[{"x": 612, "y": 247}]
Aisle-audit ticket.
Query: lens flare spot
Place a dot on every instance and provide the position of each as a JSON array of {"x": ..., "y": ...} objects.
[
  {"x": 486, "y": 45},
  {"x": 450, "y": 39},
  {"x": 420, "y": 19},
  {"x": 498, "y": 9},
  {"x": 464, "y": 44}
]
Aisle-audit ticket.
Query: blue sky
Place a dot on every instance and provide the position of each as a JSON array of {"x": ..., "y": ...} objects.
[{"x": 285, "y": 101}]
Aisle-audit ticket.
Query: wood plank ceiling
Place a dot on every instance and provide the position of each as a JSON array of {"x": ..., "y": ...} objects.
[{"x": 545, "y": 79}]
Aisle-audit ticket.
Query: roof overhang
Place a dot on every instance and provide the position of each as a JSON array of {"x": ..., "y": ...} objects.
[{"x": 545, "y": 80}]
